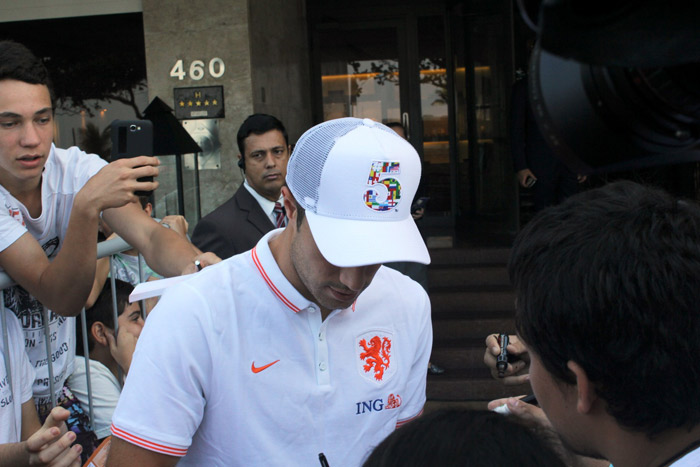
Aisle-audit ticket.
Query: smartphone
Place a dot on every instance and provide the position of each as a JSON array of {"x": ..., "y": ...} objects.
[
  {"x": 420, "y": 204},
  {"x": 132, "y": 138}
]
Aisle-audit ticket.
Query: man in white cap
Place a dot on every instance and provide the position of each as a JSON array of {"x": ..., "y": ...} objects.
[{"x": 304, "y": 345}]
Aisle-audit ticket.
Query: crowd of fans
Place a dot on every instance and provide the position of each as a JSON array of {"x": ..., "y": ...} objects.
[{"x": 299, "y": 345}]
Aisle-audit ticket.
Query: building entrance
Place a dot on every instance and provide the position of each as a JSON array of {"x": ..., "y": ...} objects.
[{"x": 448, "y": 86}]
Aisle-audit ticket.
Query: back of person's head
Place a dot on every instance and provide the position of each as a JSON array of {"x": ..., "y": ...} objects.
[
  {"x": 258, "y": 124},
  {"x": 394, "y": 125},
  {"x": 145, "y": 200},
  {"x": 18, "y": 63},
  {"x": 610, "y": 279},
  {"x": 470, "y": 438},
  {"x": 102, "y": 311}
]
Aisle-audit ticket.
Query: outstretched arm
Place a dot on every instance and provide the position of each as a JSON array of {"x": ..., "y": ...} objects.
[
  {"x": 164, "y": 250},
  {"x": 64, "y": 284}
]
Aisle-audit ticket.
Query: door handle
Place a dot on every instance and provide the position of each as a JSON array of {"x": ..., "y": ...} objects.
[{"x": 406, "y": 125}]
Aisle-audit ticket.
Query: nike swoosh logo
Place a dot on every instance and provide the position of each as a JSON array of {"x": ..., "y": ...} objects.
[{"x": 255, "y": 369}]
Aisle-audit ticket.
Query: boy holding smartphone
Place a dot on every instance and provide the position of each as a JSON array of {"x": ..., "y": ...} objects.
[{"x": 53, "y": 200}]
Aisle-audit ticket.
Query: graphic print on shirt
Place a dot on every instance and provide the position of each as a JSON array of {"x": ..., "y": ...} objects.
[
  {"x": 378, "y": 405},
  {"x": 5, "y": 392},
  {"x": 26, "y": 307},
  {"x": 15, "y": 213},
  {"x": 29, "y": 312},
  {"x": 374, "y": 355}
]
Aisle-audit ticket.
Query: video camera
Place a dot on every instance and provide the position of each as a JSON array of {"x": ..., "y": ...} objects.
[{"x": 616, "y": 85}]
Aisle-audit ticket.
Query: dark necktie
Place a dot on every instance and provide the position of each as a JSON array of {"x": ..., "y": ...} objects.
[{"x": 280, "y": 219}]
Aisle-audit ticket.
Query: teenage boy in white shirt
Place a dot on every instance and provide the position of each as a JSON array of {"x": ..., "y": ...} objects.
[{"x": 52, "y": 201}]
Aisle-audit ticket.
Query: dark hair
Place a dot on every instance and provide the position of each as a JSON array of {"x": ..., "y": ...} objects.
[
  {"x": 395, "y": 125},
  {"x": 17, "y": 62},
  {"x": 301, "y": 213},
  {"x": 609, "y": 279},
  {"x": 458, "y": 437},
  {"x": 258, "y": 124},
  {"x": 102, "y": 311},
  {"x": 145, "y": 199}
]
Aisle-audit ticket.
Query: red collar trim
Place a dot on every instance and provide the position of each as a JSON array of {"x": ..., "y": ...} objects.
[{"x": 270, "y": 284}]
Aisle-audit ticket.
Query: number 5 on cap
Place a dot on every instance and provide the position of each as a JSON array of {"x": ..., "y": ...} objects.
[{"x": 392, "y": 185}]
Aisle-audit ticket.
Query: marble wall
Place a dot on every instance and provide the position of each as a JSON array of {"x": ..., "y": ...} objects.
[
  {"x": 280, "y": 63},
  {"x": 263, "y": 44}
]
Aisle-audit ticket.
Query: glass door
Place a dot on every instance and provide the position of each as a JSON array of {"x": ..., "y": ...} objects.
[
  {"x": 358, "y": 67},
  {"x": 393, "y": 71},
  {"x": 486, "y": 193},
  {"x": 432, "y": 111}
]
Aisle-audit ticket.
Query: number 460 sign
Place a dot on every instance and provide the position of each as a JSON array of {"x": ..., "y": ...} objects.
[{"x": 216, "y": 69}]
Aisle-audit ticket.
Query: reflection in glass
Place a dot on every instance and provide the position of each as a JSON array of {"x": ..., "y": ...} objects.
[
  {"x": 432, "y": 71},
  {"x": 360, "y": 75}
]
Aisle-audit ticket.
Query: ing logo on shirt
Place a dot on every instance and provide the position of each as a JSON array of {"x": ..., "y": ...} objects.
[{"x": 377, "y": 405}]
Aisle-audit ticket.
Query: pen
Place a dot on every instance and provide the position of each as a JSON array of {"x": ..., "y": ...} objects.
[
  {"x": 531, "y": 399},
  {"x": 322, "y": 460},
  {"x": 503, "y": 409},
  {"x": 502, "y": 359}
]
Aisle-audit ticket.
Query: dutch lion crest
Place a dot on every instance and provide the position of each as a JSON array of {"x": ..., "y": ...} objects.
[{"x": 375, "y": 355}]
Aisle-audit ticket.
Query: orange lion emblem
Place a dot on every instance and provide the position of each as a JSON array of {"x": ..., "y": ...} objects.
[
  {"x": 393, "y": 402},
  {"x": 376, "y": 356}
]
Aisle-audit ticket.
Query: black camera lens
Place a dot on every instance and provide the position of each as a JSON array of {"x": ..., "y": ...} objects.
[{"x": 610, "y": 118}]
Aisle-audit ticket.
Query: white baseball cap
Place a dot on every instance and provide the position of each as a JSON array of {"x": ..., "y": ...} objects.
[{"x": 356, "y": 180}]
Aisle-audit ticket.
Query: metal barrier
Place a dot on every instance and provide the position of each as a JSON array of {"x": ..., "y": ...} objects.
[{"x": 104, "y": 249}]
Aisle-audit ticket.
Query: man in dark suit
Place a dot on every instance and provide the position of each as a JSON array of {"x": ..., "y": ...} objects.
[{"x": 255, "y": 208}]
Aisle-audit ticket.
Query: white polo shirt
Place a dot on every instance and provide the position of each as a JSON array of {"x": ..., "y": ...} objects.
[{"x": 235, "y": 367}]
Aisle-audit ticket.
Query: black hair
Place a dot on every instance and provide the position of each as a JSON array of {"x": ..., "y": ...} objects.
[
  {"x": 396, "y": 125},
  {"x": 258, "y": 124},
  {"x": 459, "y": 437},
  {"x": 610, "y": 279},
  {"x": 145, "y": 199},
  {"x": 19, "y": 63},
  {"x": 102, "y": 311},
  {"x": 301, "y": 213}
]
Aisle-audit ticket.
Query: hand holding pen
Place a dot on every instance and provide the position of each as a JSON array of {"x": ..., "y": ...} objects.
[{"x": 515, "y": 367}]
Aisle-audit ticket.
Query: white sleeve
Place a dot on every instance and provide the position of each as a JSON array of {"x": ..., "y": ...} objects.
[
  {"x": 162, "y": 402},
  {"x": 91, "y": 164},
  {"x": 10, "y": 228},
  {"x": 19, "y": 360},
  {"x": 28, "y": 376},
  {"x": 414, "y": 397},
  {"x": 20, "y": 372}
]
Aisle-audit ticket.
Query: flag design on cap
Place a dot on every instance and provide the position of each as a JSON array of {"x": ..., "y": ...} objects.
[
  {"x": 392, "y": 185},
  {"x": 355, "y": 180}
]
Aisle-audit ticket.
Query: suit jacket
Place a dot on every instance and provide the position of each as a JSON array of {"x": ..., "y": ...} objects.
[{"x": 232, "y": 228}]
